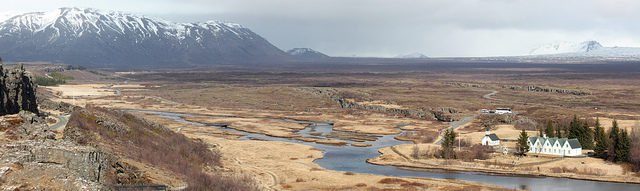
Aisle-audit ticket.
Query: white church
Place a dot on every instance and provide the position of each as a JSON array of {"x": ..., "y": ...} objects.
[
  {"x": 490, "y": 139},
  {"x": 554, "y": 146}
]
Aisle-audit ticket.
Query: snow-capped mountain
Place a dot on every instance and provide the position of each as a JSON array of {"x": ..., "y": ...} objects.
[
  {"x": 306, "y": 53},
  {"x": 566, "y": 47},
  {"x": 585, "y": 49},
  {"x": 412, "y": 55},
  {"x": 93, "y": 37}
]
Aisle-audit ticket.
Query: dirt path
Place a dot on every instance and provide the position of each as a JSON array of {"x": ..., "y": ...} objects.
[
  {"x": 454, "y": 125},
  {"x": 274, "y": 177},
  {"x": 489, "y": 96},
  {"x": 62, "y": 122}
]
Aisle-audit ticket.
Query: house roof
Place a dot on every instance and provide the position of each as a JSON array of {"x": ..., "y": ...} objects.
[
  {"x": 493, "y": 137},
  {"x": 562, "y": 141},
  {"x": 574, "y": 143},
  {"x": 552, "y": 140}
]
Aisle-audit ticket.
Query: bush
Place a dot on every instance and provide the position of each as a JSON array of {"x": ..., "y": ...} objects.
[
  {"x": 526, "y": 124},
  {"x": 586, "y": 171},
  {"x": 479, "y": 152},
  {"x": 420, "y": 136}
]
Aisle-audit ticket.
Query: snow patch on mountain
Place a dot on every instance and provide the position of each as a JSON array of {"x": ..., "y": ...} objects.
[
  {"x": 584, "y": 49},
  {"x": 77, "y": 21},
  {"x": 412, "y": 55},
  {"x": 566, "y": 47},
  {"x": 8, "y": 14},
  {"x": 79, "y": 36},
  {"x": 306, "y": 53}
]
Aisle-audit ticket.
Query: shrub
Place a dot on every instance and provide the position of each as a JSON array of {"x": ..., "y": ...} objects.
[
  {"x": 420, "y": 136},
  {"x": 526, "y": 124},
  {"x": 392, "y": 181},
  {"x": 477, "y": 151}
]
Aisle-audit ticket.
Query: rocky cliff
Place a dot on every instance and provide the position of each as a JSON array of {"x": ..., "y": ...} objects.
[{"x": 17, "y": 91}]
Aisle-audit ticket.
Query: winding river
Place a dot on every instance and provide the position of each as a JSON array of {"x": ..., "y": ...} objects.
[{"x": 353, "y": 159}]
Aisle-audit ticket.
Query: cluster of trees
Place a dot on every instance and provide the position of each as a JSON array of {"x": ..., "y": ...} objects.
[
  {"x": 576, "y": 128},
  {"x": 614, "y": 145}
]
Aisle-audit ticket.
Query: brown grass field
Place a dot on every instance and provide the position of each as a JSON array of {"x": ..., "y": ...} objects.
[{"x": 245, "y": 98}]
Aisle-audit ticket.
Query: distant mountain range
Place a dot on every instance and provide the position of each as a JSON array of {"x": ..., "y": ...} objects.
[
  {"x": 306, "y": 54},
  {"x": 584, "y": 49},
  {"x": 114, "y": 39},
  {"x": 90, "y": 37},
  {"x": 412, "y": 55}
]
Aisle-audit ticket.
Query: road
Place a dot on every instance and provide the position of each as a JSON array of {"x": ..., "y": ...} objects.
[{"x": 454, "y": 125}]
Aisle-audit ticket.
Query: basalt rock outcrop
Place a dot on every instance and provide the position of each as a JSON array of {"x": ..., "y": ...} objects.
[
  {"x": 17, "y": 91},
  {"x": 445, "y": 114},
  {"x": 545, "y": 89}
]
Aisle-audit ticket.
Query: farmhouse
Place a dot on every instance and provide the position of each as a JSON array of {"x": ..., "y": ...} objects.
[
  {"x": 490, "y": 139},
  {"x": 554, "y": 146}
]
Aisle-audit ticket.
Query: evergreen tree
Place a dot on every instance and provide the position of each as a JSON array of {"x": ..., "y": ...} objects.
[
  {"x": 541, "y": 132},
  {"x": 574, "y": 128},
  {"x": 448, "y": 143},
  {"x": 549, "y": 129},
  {"x": 586, "y": 140},
  {"x": 580, "y": 130},
  {"x": 558, "y": 132},
  {"x": 614, "y": 140},
  {"x": 522, "y": 145},
  {"x": 600, "y": 137},
  {"x": 565, "y": 131},
  {"x": 622, "y": 152}
]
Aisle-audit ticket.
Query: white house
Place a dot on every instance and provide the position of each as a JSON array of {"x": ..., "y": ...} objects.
[
  {"x": 501, "y": 111},
  {"x": 490, "y": 139},
  {"x": 554, "y": 146}
]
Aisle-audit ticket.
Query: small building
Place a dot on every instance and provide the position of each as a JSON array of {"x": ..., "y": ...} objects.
[
  {"x": 501, "y": 111},
  {"x": 554, "y": 146},
  {"x": 490, "y": 139}
]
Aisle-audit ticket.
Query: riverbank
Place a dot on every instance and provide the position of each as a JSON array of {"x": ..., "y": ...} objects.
[
  {"x": 591, "y": 169},
  {"x": 292, "y": 166}
]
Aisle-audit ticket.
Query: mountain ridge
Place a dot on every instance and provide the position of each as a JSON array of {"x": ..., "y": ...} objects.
[
  {"x": 109, "y": 38},
  {"x": 306, "y": 54},
  {"x": 584, "y": 49},
  {"x": 414, "y": 55}
]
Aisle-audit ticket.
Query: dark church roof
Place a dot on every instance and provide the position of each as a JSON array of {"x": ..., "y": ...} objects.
[{"x": 493, "y": 137}]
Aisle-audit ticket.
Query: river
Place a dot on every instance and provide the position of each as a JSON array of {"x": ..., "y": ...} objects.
[{"x": 353, "y": 159}]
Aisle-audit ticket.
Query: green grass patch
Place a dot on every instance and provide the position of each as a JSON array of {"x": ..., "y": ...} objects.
[{"x": 54, "y": 79}]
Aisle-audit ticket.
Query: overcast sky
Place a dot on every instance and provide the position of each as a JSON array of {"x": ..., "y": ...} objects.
[{"x": 391, "y": 27}]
